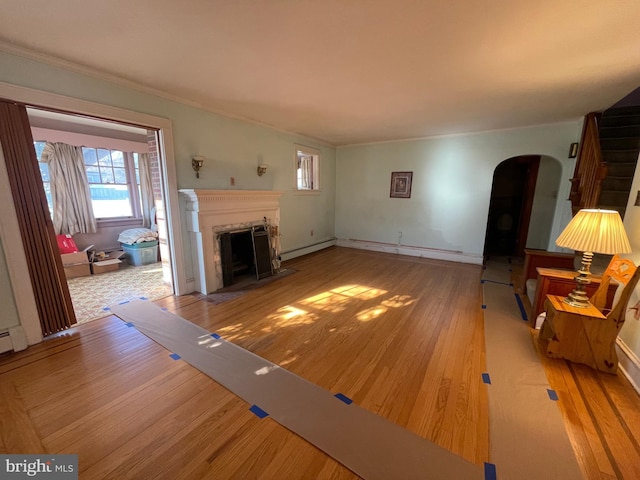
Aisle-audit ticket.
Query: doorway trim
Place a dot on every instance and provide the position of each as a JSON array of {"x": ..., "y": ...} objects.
[{"x": 37, "y": 98}]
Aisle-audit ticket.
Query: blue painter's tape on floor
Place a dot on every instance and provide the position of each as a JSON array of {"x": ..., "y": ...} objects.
[
  {"x": 164, "y": 309},
  {"x": 486, "y": 378},
  {"x": 215, "y": 335},
  {"x": 344, "y": 398},
  {"x": 175, "y": 356},
  {"x": 144, "y": 298},
  {"x": 489, "y": 471},
  {"x": 523, "y": 312},
  {"x": 122, "y": 303},
  {"x": 129, "y": 324},
  {"x": 106, "y": 309},
  {"x": 552, "y": 394},
  {"x": 258, "y": 412}
]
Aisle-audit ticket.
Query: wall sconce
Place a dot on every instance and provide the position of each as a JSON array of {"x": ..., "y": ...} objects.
[
  {"x": 197, "y": 162},
  {"x": 262, "y": 169}
]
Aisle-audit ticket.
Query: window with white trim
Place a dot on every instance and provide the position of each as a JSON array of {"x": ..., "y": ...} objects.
[
  {"x": 307, "y": 163},
  {"x": 114, "y": 182}
]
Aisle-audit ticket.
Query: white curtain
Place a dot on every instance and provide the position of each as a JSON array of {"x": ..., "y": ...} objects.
[
  {"x": 146, "y": 191},
  {"x": 306, "y": 176},
  {"x": 72, "y": 208}
]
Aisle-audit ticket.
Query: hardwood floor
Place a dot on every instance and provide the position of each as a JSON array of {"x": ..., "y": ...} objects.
[
  {"x": 401, "y": 336},
  {"x": 601, "y": 413}
]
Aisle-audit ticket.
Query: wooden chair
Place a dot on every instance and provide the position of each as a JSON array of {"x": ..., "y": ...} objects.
[
  {"x": 620, "y": 270},
  {"x": 577, "y": 336}
]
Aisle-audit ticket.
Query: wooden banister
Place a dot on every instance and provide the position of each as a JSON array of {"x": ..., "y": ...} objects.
[{"x": 590, "y": 169}]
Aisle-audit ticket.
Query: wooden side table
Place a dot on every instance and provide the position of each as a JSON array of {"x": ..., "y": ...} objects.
[
  {"x": 552, "y": 281},
  {"x": 580, "y": 335}
]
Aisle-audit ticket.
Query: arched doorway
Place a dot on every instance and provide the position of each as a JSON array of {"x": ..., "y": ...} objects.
[{"x": 512, "y": 192}]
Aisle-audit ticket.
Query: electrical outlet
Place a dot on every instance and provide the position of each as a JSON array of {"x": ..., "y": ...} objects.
[{"x": 232, "y": 181}]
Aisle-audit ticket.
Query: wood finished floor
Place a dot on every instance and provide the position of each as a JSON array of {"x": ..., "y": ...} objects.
[{"x": 403, "y": 337}]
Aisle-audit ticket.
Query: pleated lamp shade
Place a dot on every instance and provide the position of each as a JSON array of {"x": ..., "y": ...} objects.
[{"x": 596, "y": 231}]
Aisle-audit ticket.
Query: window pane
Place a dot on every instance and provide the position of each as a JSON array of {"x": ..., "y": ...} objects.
[
  {"x": 120, "y": 175},
  {"x": 93, "y": 174},
  {"x": 89, "y": 156},
  {"x": 39, "y": 146},
  {"x": 106, "y": 174},
  {"x": 104, "y": 157},
  {"x": 110, "y": 201},
  {"x": 118, "y": 158},
  {"x": 44, "y": 171},
  {"x": 47, "y": 191}
]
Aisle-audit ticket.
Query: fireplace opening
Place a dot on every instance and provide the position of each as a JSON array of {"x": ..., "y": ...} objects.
[{"x": 245, "y": 255}]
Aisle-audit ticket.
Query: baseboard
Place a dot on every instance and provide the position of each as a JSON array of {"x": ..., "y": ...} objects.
[
  {"x": 13, "y": 339},
  {"x": 298, "y": 252},
  {"x": 433, "y": 253},
  {"x": 629, "y": 364}
]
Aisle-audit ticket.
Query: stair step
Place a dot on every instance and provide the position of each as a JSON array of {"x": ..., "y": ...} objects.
[
  {"x": 628, "y": 156},
  {"x": 620, "y": 131},
  {"x": 614, "y": 198},
  {"x": 625, "y": 143},
  {"x": 617, "y": 183},
  {"x": 621, "y": 120},
  {"x": 622, "y": 111}
]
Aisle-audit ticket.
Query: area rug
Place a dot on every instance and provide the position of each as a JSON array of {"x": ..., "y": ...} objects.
[{"x": 90, "y": 295}]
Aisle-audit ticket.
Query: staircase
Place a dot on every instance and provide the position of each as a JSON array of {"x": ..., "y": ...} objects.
[{"x": 619, "y": 132}]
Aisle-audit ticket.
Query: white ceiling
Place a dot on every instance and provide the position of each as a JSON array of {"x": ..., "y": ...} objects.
[{"x": 352, "y": 71}]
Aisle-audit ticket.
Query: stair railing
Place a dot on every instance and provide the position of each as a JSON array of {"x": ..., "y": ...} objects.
[{"x": 590, "y": 169}]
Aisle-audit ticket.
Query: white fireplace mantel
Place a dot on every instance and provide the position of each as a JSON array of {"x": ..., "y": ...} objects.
[{"x": 209, "y": 212}]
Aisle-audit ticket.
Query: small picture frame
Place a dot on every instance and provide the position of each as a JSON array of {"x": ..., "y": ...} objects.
[
  {"x": 573, "y": 150},
  {"x": 401, "y": 184}
]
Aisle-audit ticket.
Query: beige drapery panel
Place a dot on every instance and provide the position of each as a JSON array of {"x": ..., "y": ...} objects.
[
  {"x": 306, "y": 167},
  {"x": 146, "y": 190},
  {"x": 72, "y": 208}
]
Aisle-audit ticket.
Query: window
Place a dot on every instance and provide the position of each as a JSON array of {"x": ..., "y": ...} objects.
[
  {"x": 110, "y": 173},
  {"x": 307, "y": 168},
  {"x": 114, "y": 181}
]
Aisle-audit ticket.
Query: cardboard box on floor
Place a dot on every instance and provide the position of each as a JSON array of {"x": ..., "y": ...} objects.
[
  {"x": 76, "y": 264},
  {"x": 109, "y": 263}
]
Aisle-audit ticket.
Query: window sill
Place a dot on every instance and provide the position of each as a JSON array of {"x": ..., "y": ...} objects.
[
  {"x": 306, "y": 192},
  {"x": 118, "y": 222}
]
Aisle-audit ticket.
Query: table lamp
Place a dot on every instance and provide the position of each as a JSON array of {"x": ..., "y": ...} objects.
[{"x": 592, "y": 231}]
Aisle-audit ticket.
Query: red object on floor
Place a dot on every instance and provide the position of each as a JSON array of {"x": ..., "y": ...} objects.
[{"x": 66, "y": 244}]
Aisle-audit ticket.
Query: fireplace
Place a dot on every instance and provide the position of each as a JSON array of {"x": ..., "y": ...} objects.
[{"x": 216, "y": 219}]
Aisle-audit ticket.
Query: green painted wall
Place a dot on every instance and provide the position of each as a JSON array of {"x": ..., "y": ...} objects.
[
  {"x": 452, "y": 180},
  {"x": 233, "y": 148}
]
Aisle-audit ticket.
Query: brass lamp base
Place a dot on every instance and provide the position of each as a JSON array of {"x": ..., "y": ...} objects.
[{"x": 578, "y": 298}]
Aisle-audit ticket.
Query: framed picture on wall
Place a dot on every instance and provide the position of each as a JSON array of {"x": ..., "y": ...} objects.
[{"x": 401, "y": 184}]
